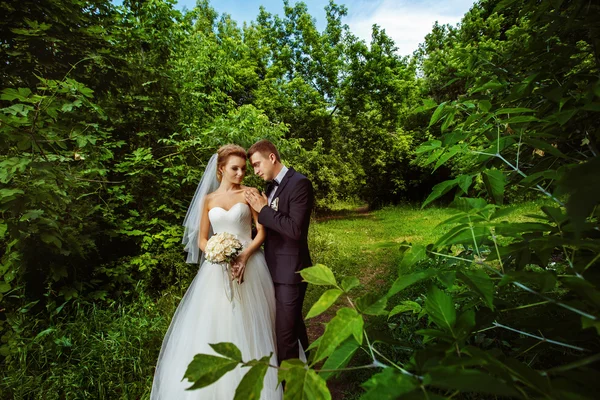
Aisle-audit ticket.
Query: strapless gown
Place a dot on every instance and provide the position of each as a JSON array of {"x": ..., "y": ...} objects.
[{"x": 207, "y": 315}]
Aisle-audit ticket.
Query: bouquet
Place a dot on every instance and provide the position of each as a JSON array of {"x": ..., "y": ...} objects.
[{"x": 222, "y": 248}]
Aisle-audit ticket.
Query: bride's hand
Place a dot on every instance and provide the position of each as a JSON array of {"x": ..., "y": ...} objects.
[{"x": 239, "y": 267}]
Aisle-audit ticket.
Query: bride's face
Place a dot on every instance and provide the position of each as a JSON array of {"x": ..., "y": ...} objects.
[{"x": 234, "y": 170}]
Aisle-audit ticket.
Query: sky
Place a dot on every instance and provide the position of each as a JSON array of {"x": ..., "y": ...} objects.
[{"x": 405, "y": 21}]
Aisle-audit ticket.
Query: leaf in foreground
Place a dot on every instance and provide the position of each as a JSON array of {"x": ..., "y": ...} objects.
[
  {"x": 318, "y": 275},
  {"x": 480, "y": 283},
  {"x": 206, "y": 369},
  {"x": 252, "y": 383},
  {"x": 324, "y": 302},
  {"x": 440, "y": 308},
  {"x": 228, "y": 350},
  {"x": 468, "y": 380},
  {"x": 340, "y": 358},
  {"x": 302, "y": 383},
  {"x": 346, "y": 322},
  {"x": 389, "y": 384},
  {"x": 407, "y": 280}
]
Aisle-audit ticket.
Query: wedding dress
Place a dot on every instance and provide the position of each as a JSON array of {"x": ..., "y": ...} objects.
[{"x": 207, "y": 315}]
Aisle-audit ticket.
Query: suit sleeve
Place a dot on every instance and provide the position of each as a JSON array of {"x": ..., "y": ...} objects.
[{"x": 301, "y": 203}]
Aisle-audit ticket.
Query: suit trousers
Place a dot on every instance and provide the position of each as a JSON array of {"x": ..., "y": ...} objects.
[{"x": 289, "y": 323}]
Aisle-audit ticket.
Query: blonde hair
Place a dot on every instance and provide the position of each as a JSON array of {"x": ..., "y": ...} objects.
[
  {"x": 264, "y": 147},
  {"x": 224, "y": 153}
]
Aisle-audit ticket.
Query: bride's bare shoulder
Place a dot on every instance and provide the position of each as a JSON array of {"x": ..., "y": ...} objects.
[
  {"x": 244, "y": 188},
  {"x": 210, "y": 198}
]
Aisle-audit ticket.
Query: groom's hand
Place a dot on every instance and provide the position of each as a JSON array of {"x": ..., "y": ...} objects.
[{"x": 256, "y": 200}]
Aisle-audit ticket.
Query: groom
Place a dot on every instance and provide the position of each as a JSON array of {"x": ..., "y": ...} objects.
[{"x": 285, "y": 213}]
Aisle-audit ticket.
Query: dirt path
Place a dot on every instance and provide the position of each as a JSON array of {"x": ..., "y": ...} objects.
[{"x": 371, "y": 279}]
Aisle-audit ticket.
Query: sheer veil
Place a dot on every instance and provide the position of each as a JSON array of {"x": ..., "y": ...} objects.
[
  {"x": 208, "y": 184},
  {"x": 179, "y": 339}
]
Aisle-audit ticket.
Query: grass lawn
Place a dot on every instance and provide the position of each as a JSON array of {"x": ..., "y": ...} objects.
[{"x": 365, "y": 244}]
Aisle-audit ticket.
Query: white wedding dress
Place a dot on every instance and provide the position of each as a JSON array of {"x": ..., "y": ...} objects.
[{"x": 206, "y": 315}]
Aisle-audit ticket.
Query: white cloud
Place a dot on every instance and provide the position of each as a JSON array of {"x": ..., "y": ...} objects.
[{"x": 405, "y": 21}]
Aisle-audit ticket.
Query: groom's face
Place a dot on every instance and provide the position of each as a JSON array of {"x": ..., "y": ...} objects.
[{"x": 264, "y": 166}]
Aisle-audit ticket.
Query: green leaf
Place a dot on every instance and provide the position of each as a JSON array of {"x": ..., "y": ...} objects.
[
  {"x": 463, "y": 234},
  {"x": 428, "y": 104},
  {"x": 349, "y": 283},
  {"x": 434, "y": 333},
  {"x": 302, "y": 383},
  {"x": 448, "y": 121},
  {"x": 405, "y": 306},
  {"x": 485, "y": 105},
  {"x": 590, "y": 323},
  {"x": 542, "y": 145},
  {"x": 582, "y": 184},
  {"x": 407, "y": 280},
  {"x": 468, "y": 380},
  {"x": 31, "y": 215},
  {"x": 543, "y": 280},
  {"x": 521, "y": 119},
  {"x": 318, "y": 275},
  {"x": 340, "y": 358},
  {"x": 412, "y": 256},
  {"x": 448, "y": 154},
  {"x": 390, "y": 384},
  {"x": 9, "y": 194},
  {"x": 429, "y": 146},
  {"x": 4, "y": 287},
  {"x": 519, "y": 228},
  {"x": 324, "y": 302},
  {"x": 465, "y": 324},
  {"x": 582, "y": 287},
  {"x": 517, "y": 110},
  {"x": 464, "y": 182},
  {"x": 440, "y": 308},
  {"x": 51, "y": 239},
  {"x": 3, "y": 229},
  {"x": 494, "y": 84},
  {"x": 495, "y": 181},
  {"x": 228, "y": 350},
  {"x": 437, "y": 114},
  {"x": 347, "y": 322},
  {"x": 433, "y": 156},
  {"x": 372, "y": 304},
  {"x": 480, "y": 283},
  {"x": 439, "y": 190},
  {"x": 533, "y": 178},
  {"x": 206, "y": 369},
  {"x": 252, "y": 383}
]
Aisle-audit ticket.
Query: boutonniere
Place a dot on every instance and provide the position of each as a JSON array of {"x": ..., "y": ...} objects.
[{"x": 275, "y": 204}]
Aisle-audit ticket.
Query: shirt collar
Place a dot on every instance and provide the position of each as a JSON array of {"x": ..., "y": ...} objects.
[{"x": 281, "y": 174}]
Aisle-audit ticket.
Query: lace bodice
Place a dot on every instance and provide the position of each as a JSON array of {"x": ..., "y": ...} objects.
[{"x": 237, "y": 221}]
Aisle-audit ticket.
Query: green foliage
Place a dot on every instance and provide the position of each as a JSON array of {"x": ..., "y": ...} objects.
[
  {"x": 516, "y": 85},
  {"x": 108, "y": 114}
]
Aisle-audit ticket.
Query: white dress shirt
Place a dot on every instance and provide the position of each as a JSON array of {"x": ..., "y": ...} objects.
[{"x": 278, "y": 178}]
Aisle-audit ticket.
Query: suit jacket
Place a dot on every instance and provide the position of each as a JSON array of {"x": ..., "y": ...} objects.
[{"x": 286, "y": 244}]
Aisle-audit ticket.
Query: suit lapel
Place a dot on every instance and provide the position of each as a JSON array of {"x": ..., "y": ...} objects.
[{"x": 284, "y": 182}]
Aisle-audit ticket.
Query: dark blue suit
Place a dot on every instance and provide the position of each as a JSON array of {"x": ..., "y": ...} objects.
[{"x": 286, "y": 252}]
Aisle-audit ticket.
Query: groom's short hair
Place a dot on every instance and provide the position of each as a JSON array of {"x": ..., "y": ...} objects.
[{"x": 265, "y": 148}]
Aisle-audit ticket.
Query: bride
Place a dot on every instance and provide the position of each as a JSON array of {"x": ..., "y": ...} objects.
[{"x": 216, "y": 309}]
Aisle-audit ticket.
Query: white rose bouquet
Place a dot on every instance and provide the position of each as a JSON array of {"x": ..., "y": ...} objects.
[{"x": 222, "y": 248}]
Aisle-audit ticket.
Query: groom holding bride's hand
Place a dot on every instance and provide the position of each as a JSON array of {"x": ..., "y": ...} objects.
[{"x": 284, "y": 210}]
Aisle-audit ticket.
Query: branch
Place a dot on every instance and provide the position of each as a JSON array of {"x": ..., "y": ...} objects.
[{"x": 540, "y": 338}]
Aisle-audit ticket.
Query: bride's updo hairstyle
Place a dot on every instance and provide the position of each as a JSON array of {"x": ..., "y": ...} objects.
[{"x": 224, "y": 153}]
